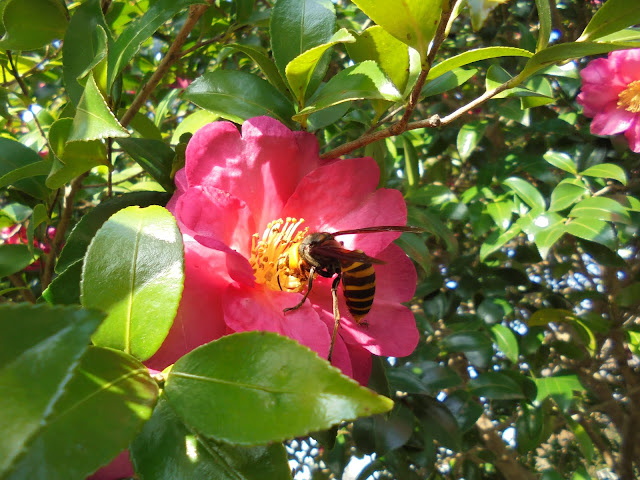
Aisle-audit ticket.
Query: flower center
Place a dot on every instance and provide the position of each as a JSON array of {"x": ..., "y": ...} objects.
[
  {"x": 629, "y": 98},
  {"x": 274, "y": 256}
]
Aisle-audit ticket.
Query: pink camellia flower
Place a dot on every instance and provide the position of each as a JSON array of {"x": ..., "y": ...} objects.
[
  {"x": 17, "y": 235},
  {"x": 242, "y": 199},
  {"x": 611, "y": 95}
]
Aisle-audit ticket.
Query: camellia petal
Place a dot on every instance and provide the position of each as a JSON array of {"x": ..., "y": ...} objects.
[
  {"x": 633, "y": 136},
  {"x": 611, "y": 94}
]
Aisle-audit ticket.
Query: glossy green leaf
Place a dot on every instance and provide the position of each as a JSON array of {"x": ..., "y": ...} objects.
[
  {"x": 562, "y": 386},
  {"x": 629, "y": 296},
  {"x": 494, "y": 310},
  {"x": 38, "y": 217},
  {"x": 497, "y": 240},
  {"x": 527, "y": 192},
  {"x": 476, "y": 346},
  {"x": 138, "y": 31},
  {"x": 544, "y": 316},
  {"x": 606, "y": 170},
  {"x": 78, "y": 240},
  {"x": 471, "y": 56},
  {"x": 411, "y": 162},
  {"x": 437, "y": 377},
  {"x": 164, "y": 106},
  {"x": 530, "y": 427},
  {"x": 544, "y": 17},
  {"x": 547, "y": 237},
  {"x": 479, "y": 11},
  {"x": 169, "y": 448},
  {"x": 506, "y": 340},
  {"x": 300, "y": 70},
  {"x": 270, "y": 388},
  {"x": 72, "y": 158},
  {"x": 82, "y": 46},
  {"x": 266, "y": 64},
  {"x": 191, "y": 123},
  {"x": 391, "y": 54},
  {"x": 469, "y": 136},
  {"x": 15, "y": 156},
  {"x": 561, "y": 160},
  {"x": 501, "y": 212},
  {"x": 31, "y": 24},
  {"x": 415, "y": 247},
  {"x": 155, "y": 156},
  {"x": 437, "y": 420},
  {"x": 30, "y": 170},
  {"x": 594, "y": 230},
  {"x": 465, "y": 409},
  {"x": 364, "y": 80},
  {"x": 601, "y": 208},
  {"x": 495, "y": 386},
  {"x": 565, "y": 195},
  {"x": 14, "y": 258},
  {"x": 65, "y": 288},
  {"x": 109, "y": 392},
  {"x": 134, "y": 271},
  {"x": 94, "y": 120},
  {"x": 300, "y": 25},
  {"x": 612, "y": 16},
  {"x": 448, "y": 81},
  {"x": 432, "y": 223},
  {"x": 381, "y": 433},
  {"x": 39, "y": 349},
  {"x": 412, "y": 22},
  {"x": 237, "y": 96}
]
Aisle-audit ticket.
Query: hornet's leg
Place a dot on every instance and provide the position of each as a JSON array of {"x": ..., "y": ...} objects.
[
  {"x": 336, "y": 312},
  {"x": 312, "y": 272}
]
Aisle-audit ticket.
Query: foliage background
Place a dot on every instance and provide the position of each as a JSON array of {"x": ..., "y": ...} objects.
[{"x": 529, "y": 268}]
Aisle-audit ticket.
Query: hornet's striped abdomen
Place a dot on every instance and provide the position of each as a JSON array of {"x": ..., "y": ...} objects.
[{"x": 359, "y": 287}]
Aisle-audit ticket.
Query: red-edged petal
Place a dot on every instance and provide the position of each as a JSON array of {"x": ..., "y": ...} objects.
[
  {"x": 361, "y": 364},
  {"x": 395, "y": 279},
  {"x": 216, "y": 214},
  {"x": 200, "y": 318},
  {"x": 611, "y": 121},
  {"x": 262, "y": 167},
  {"x": 626, "y": 64},
  {"x": 633, "y": 135},
  {"x": 120, "y": 467},
  {"x": 342, "y": 195},
  {"x": 258, "y": 308}
]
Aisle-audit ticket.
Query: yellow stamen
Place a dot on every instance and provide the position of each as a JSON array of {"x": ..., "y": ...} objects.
[
  {"x": 629, "y": 98},
  {"x": 274, "y": 256}
]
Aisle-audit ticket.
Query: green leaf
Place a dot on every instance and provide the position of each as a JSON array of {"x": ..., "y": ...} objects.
[
  {"x": 496, "y": 241},
  {"x": 285, "y": 391},
  {"x": 606, "y": 170},
  {"x": 39, "y": 349},
  {"x": 479, "y": 11},
  {"x": 138, "y": 31},
  {"x": 167, "y": 448},
  {"x": 447, "y": 81},
  {"x": 134, "y": 271},
  {"x": 299, "y": 71},
  {"x": 547, "y": 237},
  {"x": 437, "y": 420},
  {"x": 594, "y": 230},
  {"x": 191, "y": 123},
  {"x": 544, "y": 316},
  {"x": 364, "y": 80},
  {"x": 65, "y": 288},
  {"x": 469, "y": 136},
  {"x": 300, "y": 25},
  {"x": 601, "y": 208},
  {"x": 381, "y": 434},
  {"x": 72, "y": 158},
  {"x": 14, "y": 258},
  {"x": 612, "y": 16},
  {"x": 501, "y": 212},
  {"x": 411, "y": 162},
  {"x": 94, "y": 120},
  {"x": 266, "y": 64},
  {"x": 413, "y": 22},
  {"x": 495, "y": 386},
  {"x": 506, "y": 340},
  {"x": 31, "y": 24},
  {"x": 584, "y": 442},
  {"x": 237, "y": 96},
  {"x": 629, "y": 296},
  {"x": 83, "y": 46},
  {"x": 476, "y": 346},
  {"x": 109, "y": 392},
  {"x": 464, "y": 408},
  {"x": 527, "y": 192},
  {"x": 565, "y": 195},
  {"x": 15, "y": 156},
  {"x": 155, "y": 156},
  {"x": 561, "y": 160},
  {"x": 78, "y": 240},
  {"x": 561, "y": 386},
  {"x": 38, "y": 217},
  {"x": 415, "y": 247},
  {"x": 471, "y": 56},
  {"x": 391, "y": 54},
  {"x": 544, "y": 17},
  {"x": 437, "y": 377}
]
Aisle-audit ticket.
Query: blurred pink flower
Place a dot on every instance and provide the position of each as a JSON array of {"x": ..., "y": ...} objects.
[
  {"x": 235, "y": 187},
  {"x": 17, "y": 235},
  {"x": 611, "y": 95}
]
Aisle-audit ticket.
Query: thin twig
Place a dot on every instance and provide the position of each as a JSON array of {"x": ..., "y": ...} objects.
[
  {"x": 61, "y": 229},
  {"x": 25, "y": 92},
  {"x": 173, "y": 54},
  {"x": 26, "y": 292}
]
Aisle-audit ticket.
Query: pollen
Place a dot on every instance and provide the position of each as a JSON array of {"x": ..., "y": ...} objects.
[
  {"x": 274, "y": 255},
  {"x": 629, "y": 98}
]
